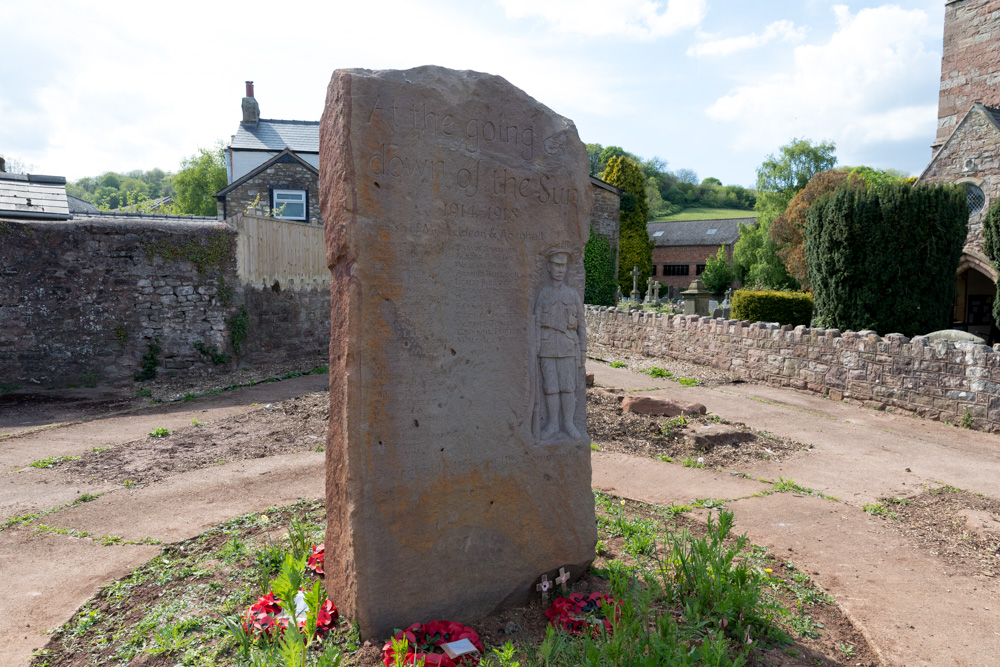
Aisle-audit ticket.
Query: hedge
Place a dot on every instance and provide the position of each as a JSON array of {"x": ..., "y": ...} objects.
[{"x": 793, "y": 308}]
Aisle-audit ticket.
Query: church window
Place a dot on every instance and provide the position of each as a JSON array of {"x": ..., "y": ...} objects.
[
  {"x": 975, "y": 198},
  {"x": 676, "y": 270}
]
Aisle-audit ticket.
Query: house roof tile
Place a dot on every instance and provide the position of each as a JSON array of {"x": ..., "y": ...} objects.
[
  {"x": 697, "y": 232},
  {"x": 33, "y": 196},
  {"x": 302, "y": 136}
]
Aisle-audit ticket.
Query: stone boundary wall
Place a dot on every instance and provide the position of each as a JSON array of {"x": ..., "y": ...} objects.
[
  {"x": 938, "y": 380},
  {"x": 81, "y": 300}
]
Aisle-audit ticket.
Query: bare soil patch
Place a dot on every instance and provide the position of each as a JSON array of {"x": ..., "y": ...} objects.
[
  {"x": 678, "y": 368},
  {"x": 613, "y": 430},
  {"x": 960, "y": 528},
  {"x": 295, "y": 425}
]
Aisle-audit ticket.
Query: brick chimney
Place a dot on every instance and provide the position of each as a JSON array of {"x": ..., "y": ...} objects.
[{"x": 251, "y": 111}]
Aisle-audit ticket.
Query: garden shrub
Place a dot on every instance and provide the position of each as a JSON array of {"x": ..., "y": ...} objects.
[
  {"x": 793, "y": 308},
  {"x": 885, "y": 259},
  {"x": 599, "y": 268}
]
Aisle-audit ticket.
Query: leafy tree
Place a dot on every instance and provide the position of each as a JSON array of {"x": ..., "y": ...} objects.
[
  {"x": 200, "y": 177},
  {"x": 778, "y": 180},
  {"x": 634, "y": 246},
  {"x": 991, "y": 246},
  {"x": 594, "y": 154},
  {"x": 654, "y": 200},
  {"x": 599, "y": 270},
  {"x": 885, "y": 258},
  {"x": 786, "y": 230},
  {"x": 719, "y": 274},
  {"x": 687, "y": 176},
  {"x": 13, "y": 165},
  {"x": 711, "y": 180}
]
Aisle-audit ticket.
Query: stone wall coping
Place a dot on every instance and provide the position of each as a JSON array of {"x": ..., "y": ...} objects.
[
  {"x": 866, "y": 335},
  {"x": 133, "y": 225}
]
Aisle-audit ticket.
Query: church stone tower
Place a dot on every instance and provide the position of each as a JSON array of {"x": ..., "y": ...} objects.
[{"x": 970, "y": 62}]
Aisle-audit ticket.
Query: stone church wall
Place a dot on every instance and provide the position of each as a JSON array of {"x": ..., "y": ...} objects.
[
  {"x": 84, "y": 298},
  {"x": 944, "y": 381},
  {"x": 974, "y": 155}
]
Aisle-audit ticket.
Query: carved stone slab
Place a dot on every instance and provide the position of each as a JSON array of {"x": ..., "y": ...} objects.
[{"x": 458, "y": 465}]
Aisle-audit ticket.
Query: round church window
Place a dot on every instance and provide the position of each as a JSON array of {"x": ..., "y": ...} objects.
[{"x": 975, "y": 198}]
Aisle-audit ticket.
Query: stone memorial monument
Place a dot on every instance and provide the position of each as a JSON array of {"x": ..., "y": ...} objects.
[{"x": 458, "y": 464}]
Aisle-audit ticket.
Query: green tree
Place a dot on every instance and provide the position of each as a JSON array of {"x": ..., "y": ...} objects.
[
  {"x": 778, "y": 180},
  {"x": 991, "y": 246},
  {"x": 718, "y": 275},
  {"x": 885, "y": 258},
  {"x": 594, "y": 155},
  {"x": 599, "y": 270},
  {"x": 200, "y": 177},
  {"x": 634, "y": 246}
]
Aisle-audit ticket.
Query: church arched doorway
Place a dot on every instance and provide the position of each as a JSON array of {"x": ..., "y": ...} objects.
[{"x": 974, "y": 299}]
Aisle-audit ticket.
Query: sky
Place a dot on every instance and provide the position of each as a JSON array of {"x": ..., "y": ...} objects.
[{"x": 713, "y": 86}]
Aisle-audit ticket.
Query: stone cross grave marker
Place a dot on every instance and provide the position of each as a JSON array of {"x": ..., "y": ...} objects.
[
  {"x": 458, "y": 463},
  {"x": 656, "y": 291},
  {"x": 635, "y": 283}
]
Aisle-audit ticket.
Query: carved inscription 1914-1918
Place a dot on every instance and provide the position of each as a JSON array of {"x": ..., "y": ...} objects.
[{"x": 458, "y": 466}]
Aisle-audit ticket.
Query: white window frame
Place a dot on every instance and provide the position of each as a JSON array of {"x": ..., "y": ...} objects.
[{"x": 290, "y": 197}]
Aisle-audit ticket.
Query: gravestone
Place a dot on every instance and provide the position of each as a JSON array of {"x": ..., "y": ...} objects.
[
  {"x": 635, "y": 284},
  {"x": 458, "y": 465}
]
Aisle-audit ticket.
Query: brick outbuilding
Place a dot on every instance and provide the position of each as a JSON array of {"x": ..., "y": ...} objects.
[{"x": 680, "y": 249}]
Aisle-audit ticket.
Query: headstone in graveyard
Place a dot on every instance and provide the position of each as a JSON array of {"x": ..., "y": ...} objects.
[
  {"x": 458, "y": 465},
  {"x": 635, "y": 284},
  {"x": 649, "y": 291},
  {"x": 656, "y": 291},
  {"x": 618, "y": 295}
]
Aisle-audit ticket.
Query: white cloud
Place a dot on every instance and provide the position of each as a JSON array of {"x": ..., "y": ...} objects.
[
  {"x": 643, "y": 19},
  {"x": 872, "y": 82},
  {"x": 784, "y": 31}
]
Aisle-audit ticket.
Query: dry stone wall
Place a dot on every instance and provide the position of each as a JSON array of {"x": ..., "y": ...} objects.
[
  {"x": 80, "y": 301},
  {"x": 955, "y": 382}
]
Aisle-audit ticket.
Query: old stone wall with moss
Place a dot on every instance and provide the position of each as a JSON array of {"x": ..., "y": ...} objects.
[{"x": 86, "y": 298}]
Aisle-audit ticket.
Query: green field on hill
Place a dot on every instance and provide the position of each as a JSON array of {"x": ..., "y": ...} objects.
[{"x": 707, "y": 214}]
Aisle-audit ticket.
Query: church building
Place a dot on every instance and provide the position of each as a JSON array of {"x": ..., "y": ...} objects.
[{"x": 966, "y": 149}]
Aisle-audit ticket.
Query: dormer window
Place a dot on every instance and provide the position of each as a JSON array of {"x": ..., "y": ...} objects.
[{"x": 289, "y": 204}]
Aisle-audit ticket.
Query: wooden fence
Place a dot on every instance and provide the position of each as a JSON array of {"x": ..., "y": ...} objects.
[{"x": 270, "y": 251}]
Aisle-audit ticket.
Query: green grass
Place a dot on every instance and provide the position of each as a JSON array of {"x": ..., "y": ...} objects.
[
  {"x": 707, "y": 214},
  {"x": 52, "y": 460}
]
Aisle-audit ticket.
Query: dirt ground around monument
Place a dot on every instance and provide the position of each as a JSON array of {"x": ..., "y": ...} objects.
[
  {"x": 299, "y": 424},
  {"x": 958, "y": 528}
]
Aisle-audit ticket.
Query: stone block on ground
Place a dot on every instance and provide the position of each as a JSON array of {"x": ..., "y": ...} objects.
[
  {"x": 458, "y": 465},
  {"x": 661, "y": 407}
]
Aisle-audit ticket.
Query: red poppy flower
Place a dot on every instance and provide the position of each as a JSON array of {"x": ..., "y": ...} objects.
[
  {"x": 425, "y": 640},
  {"x": 315, "y": 561},
  {"x": 576, "y": 612}
]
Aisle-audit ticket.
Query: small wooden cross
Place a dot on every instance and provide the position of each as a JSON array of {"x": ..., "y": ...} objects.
[
  {"x": 562, "y": 579},
  {"x": 544, "y": 587}
]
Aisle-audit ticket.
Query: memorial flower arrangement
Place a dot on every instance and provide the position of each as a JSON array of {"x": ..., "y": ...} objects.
[
  {"x": 267, "y": 616},
  {"x": 424, "y": 641},
  {"x": 315, "y": 562},
  {"x": 576, "y": 612}
]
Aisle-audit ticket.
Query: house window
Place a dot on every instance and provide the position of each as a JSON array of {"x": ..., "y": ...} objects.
[
  {"x": 699, "y": 269},
  {"x": 289, "y": 204},
  {"x": 975, "y": 198},
  {"x": 654, "y": 269},
  {"x": 676, "y": 269}
]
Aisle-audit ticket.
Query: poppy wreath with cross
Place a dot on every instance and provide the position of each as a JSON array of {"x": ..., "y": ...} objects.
[
  {"x": 267, "y": 617},
  {"x": 425, "y": 640},
  {"x": 576, "y": 612}
]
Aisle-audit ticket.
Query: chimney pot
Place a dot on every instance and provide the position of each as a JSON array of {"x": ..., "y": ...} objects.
[
  {"x": 249, "y": 88},
  {"x": 3, "y": 165}
]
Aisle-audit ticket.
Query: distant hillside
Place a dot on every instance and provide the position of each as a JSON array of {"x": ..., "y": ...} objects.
[{"x": 707, "y": 214}]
